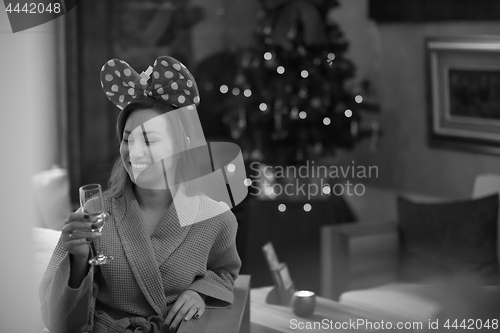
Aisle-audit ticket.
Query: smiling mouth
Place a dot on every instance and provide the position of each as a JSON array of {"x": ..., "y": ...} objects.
[{"x": 139, "y": 166}]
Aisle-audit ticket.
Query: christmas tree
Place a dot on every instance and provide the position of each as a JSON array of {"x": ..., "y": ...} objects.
[{"x": 286, "y": 99}]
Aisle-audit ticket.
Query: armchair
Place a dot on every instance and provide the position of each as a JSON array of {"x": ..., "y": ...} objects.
[{"x": 359, "y": 265}]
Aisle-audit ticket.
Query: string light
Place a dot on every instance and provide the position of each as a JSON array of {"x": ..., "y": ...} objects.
[
  {"x": 247, "y": 182},
  {"x": 231, "y": 167},
  {"x": 307, "y": 207},
  {"x": 358, "y": 99},
  {"x": 263, "y": 107},
  {"x": 247, "y": 93},
  {"x": 327, "y": 121},
  {"x": 236, "y": 91},
  {"x": 224, "y": 89},
  {"x": 304, "y": 74},
  {"x": 268, "y": 55},
  {"x": 282, "y": 207},
  {"x": 302, "y": 115},
  {"x": 326, "y": 189},
  {"x": 348, "y": 113},
  {"x": 280, "y": 69},
  {"x": 331, "y": 56}
]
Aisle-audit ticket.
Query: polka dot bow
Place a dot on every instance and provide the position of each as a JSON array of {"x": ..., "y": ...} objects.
[{"x": 168, "y": 80}]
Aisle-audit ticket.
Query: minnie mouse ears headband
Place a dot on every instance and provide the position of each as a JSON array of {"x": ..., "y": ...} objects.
[{"x": 168, "y": 80}]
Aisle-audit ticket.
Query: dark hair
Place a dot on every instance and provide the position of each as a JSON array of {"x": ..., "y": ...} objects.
[{"x": 119, "y": 178}]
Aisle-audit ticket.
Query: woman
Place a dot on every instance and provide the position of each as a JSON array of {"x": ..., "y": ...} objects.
[{"x": 173, "y": 247}]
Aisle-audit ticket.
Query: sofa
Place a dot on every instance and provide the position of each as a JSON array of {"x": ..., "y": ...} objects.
[{"x": 360, "y": 261}]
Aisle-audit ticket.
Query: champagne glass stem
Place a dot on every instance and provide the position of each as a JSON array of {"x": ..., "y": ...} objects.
[{"x": 98, "y": 246}]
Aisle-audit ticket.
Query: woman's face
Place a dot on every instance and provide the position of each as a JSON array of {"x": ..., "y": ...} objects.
[{"x": 147, "y": 148}]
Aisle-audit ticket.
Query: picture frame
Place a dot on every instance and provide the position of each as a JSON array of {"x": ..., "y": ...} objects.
[
  {"x": 432, "y": 10},
  {"x": 463, "y": 85},
  {"x": 270, "y": 254},
  {"x": 283, "y": 284},
  {"x": 284, "y": 288}
]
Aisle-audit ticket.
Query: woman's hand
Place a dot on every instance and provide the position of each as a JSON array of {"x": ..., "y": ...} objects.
[
  {"x": 189, "y": 304},
  {"x": 77, "y": 234}
]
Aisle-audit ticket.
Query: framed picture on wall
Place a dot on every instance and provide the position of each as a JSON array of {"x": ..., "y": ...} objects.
[{"x": 464, "y": 92}]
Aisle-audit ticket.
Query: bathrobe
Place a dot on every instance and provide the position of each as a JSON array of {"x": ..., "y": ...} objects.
[{"x": 136, "y": 290}]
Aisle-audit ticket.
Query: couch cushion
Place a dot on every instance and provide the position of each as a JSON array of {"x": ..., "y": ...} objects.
[
  {"x": 44, "y": 242},
  {"x": 51, "y": 188},
  {"x": 379, "y": 204},
  {"x": 447, "y": 239},
  {"x": 459, "y": 297},
  {"x": 397, "y": 300}
]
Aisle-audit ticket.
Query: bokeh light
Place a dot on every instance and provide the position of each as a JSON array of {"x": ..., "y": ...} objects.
[
  {"x": 282, "y": 207},
  {"x": 326, "y": 189},
  {"x": 269, "y": 191},
  {"x": 224, "y": 89}
]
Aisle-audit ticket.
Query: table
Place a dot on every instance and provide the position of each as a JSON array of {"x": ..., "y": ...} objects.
[{"x": 266, "y": 318}]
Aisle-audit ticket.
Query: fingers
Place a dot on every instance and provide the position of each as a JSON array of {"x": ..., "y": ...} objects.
[
  {"x": 79, "y": 241},
  {"x": 82, "y": 217},
  {"x": 181, "y": 315},
  {"x": 78, "y": 232},
  {"x": 173, "y": 311},
  {"x": 199, "y": 312},
  {"x": 76, "y": 217},
  {"x": 75, "y": 230},
  {"x": 81, "y": 221},
  {"x": 189, "y": 305},
  {"x": 191, "y": 313}
]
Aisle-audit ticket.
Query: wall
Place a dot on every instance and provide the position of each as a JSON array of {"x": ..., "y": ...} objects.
[
  {"x": 392, "y": 56},
  {"x": 28, "y": 141},
  {"x": 225, "y": 26}
]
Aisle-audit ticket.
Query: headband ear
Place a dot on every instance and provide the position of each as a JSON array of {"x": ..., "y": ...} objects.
[
  {"x": 171, "y": 82},
  {"x": 119, "y": 81}
]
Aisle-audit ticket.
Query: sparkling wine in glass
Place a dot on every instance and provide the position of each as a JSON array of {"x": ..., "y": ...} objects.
[{"x": 92, "y": 203}]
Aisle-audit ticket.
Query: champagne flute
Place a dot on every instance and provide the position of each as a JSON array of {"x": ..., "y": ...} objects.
[{"x": 92, "y": 203}]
